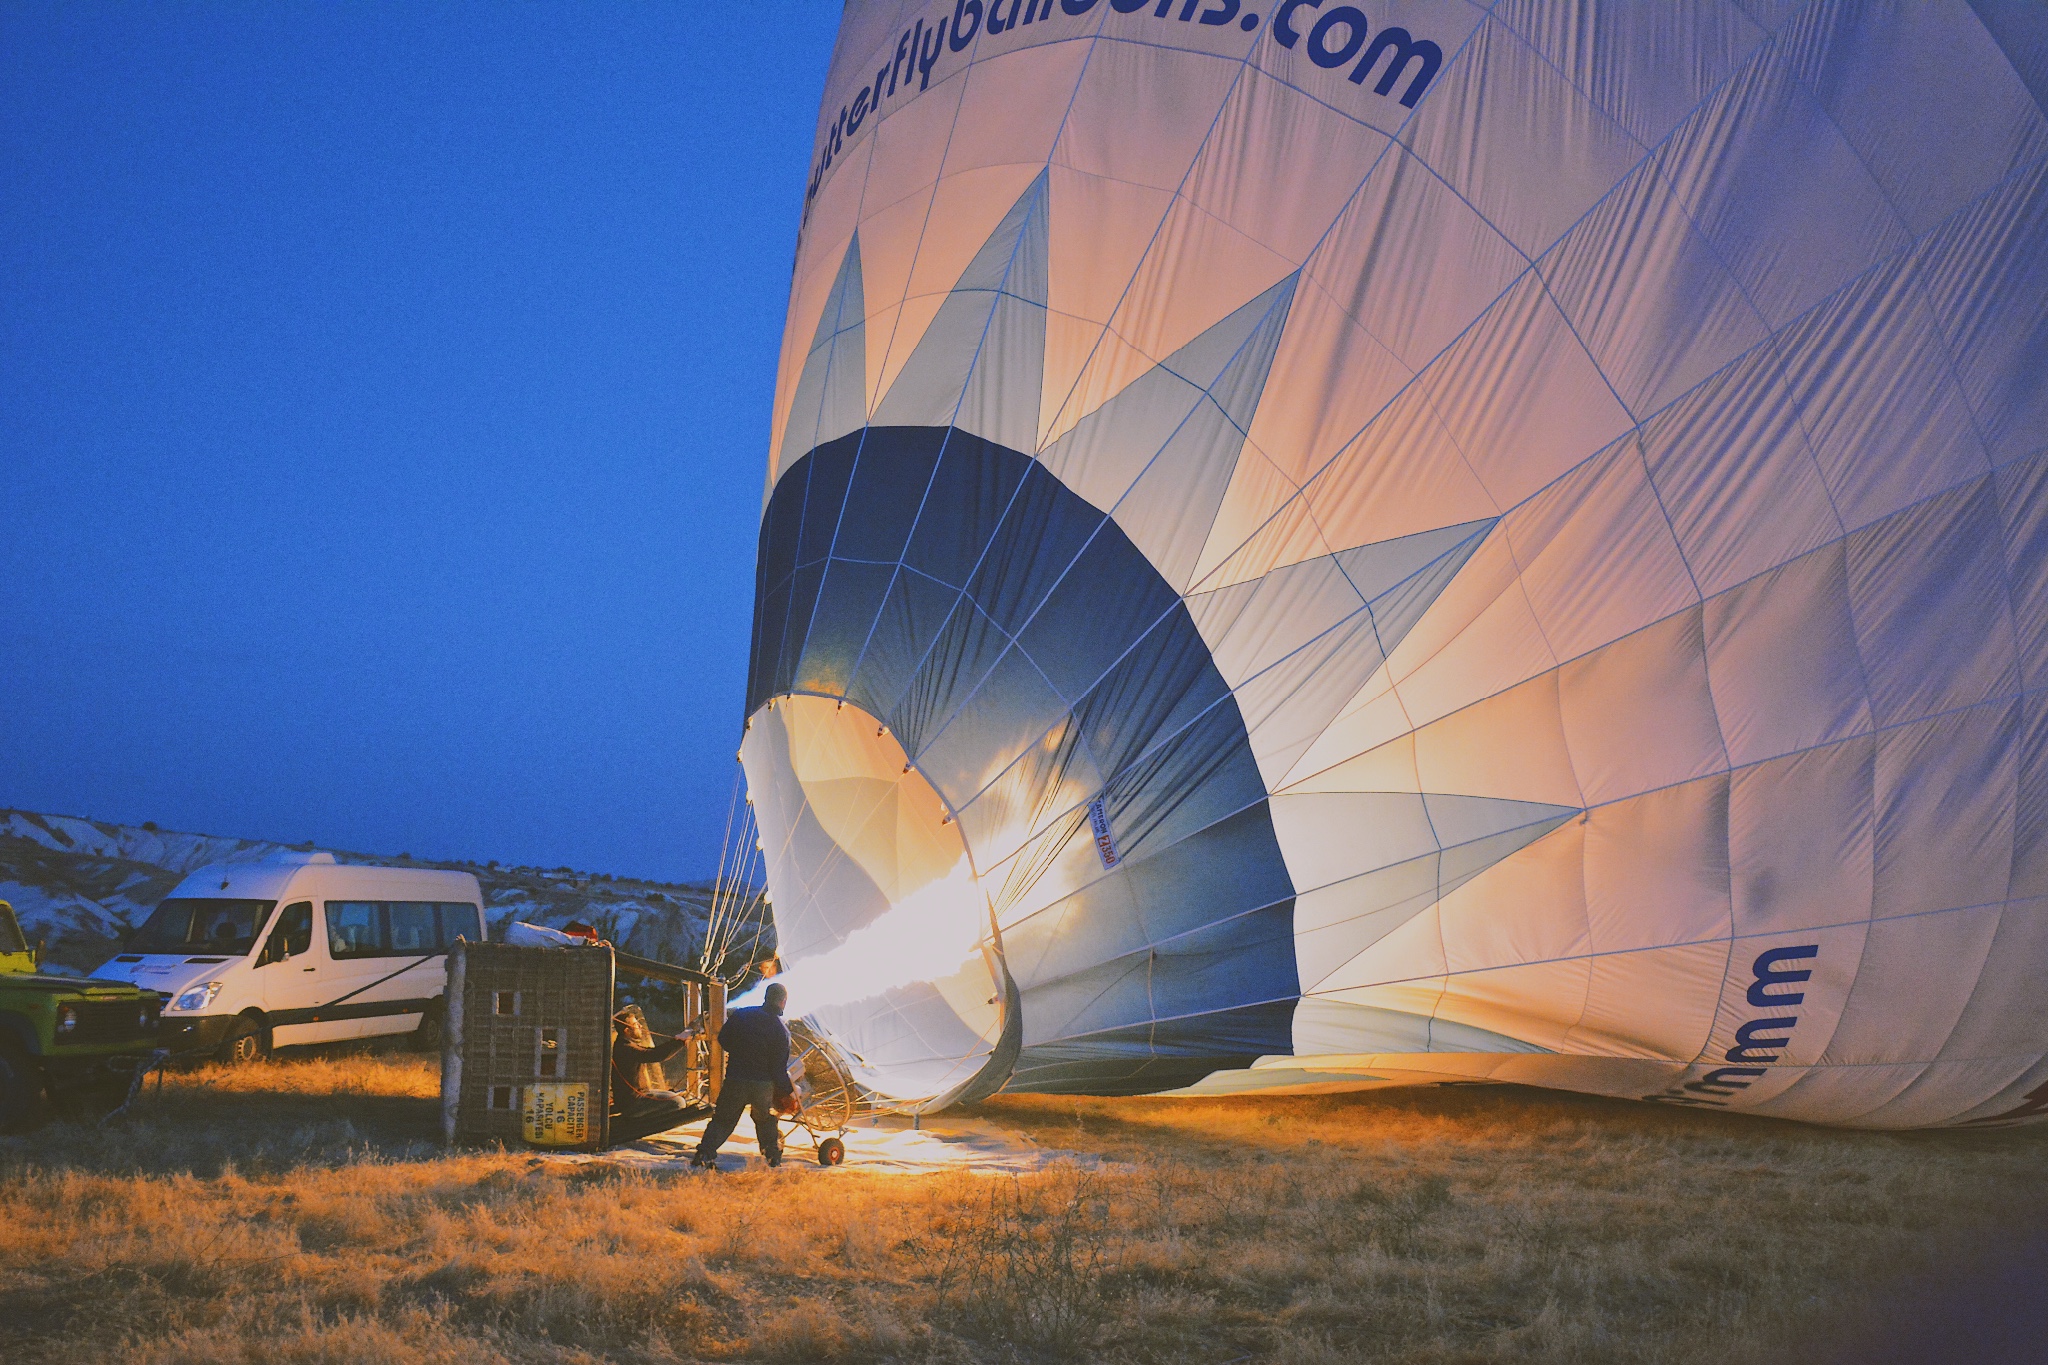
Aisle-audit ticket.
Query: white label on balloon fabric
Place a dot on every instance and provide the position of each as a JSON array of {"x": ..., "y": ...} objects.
[{"x": 1105, "y": 842}]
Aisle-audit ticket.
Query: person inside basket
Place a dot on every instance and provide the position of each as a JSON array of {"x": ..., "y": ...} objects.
[
  {"x": 756, "y": 1044},
  {"x": 640, "y": 1109}
]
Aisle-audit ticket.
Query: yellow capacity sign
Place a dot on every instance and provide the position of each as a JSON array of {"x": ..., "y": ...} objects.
[{"x": 557, "y": 1114}]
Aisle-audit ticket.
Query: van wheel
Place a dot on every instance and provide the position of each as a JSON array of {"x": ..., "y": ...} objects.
[
  {"x": 21, "y": 1089},
  {"x": 245, "y": 1042},
  {"x": 427, "y": 1037}
]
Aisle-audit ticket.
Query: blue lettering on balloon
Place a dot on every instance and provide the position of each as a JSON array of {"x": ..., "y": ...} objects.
[
  {"x": 1105, "y": 838},
  {"x": 1353, "y": 22},
  {"x": 1758, "y": 1040},
  {"x": 1720, "y": 1080},
  {"x": 1284, "y": 32},
  {"x": 963, "y": 31},
  {"x": 1336, "y": 37},
  {"x": 1752, "y": 1046},
  {"x": 1768, "y": 973},
  {"x": 2035, "y": 1104},
  {"x": 1403, "y": 49},
  {"x": 928, "y": 55}
]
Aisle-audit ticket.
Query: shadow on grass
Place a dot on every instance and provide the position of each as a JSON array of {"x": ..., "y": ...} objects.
[
  {"x": 317, "y": 1106},
  {"x": 1244, "y": 1127}
]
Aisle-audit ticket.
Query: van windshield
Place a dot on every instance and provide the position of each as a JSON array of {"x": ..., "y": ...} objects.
[{"x": 202, "y": 924}]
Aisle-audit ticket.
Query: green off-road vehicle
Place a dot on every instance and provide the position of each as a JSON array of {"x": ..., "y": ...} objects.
[{"x": 67, "y": 1040}]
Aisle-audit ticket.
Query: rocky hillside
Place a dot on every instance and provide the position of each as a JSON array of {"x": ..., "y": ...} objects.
[{"x": 79, "y": 884}]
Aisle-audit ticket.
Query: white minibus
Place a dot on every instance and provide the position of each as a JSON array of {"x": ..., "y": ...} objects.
[{"x": 300, "y": 949}]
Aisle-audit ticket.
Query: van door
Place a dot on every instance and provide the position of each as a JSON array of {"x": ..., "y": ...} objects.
[
  {"x": 387, "y": 964},
  {"x": 287, "y": 976},
  {"x": 412, "y": 934}
]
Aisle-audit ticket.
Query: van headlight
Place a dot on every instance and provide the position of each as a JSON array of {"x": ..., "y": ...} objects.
[
  {"x": 196, "y": 997},
  {"x": 67, "y": 1018}
]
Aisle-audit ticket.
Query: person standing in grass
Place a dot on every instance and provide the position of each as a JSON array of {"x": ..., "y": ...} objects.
[{"x": 756, "y": 1044}]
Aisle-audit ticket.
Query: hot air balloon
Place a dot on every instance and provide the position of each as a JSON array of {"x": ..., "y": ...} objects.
[{"x": 1311, "y": 545}]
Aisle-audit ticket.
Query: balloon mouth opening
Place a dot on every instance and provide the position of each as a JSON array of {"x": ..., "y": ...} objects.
[{"x": 879, "y": 913}]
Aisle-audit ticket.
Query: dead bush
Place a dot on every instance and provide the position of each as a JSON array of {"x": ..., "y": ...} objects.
[{"x": 1028, "y": 1263}]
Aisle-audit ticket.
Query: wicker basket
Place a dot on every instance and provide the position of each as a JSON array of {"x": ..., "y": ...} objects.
[{"x": 521, "y": 1018}]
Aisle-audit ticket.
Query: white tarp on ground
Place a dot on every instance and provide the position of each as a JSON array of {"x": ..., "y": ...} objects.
[{"x": 882, "y": 1147}]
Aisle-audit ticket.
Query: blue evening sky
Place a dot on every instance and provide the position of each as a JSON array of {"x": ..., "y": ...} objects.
[{"x": 384, "y": 396}]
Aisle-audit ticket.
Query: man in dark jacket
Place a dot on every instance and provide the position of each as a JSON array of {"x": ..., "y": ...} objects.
[{"x": 756, "y": 1044}]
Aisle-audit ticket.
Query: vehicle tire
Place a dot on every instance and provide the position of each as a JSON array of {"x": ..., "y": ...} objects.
[
  {"x": 831, "y": 1152},
  {"x": 427, "y": 1037},
  {"x": 245, "y": 1043},
  {"x": 21, "y": 1089}
]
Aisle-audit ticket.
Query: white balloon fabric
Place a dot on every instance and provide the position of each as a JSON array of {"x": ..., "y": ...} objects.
[{"x": 1312, "y": 545}]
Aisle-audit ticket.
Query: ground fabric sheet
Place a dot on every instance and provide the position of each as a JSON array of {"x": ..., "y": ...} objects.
[{"x": 887, "y": 1146}]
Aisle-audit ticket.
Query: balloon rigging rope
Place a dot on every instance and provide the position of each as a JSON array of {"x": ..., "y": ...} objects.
[
  {"x": 735, "y": 891},
  {"x": 739, "y": 885},
  {"x": 760, "y": 920},
  {"x": 718, "y": 882},
  {"x": 716, "y": 931},
  {"x": 741, "y": 894}
]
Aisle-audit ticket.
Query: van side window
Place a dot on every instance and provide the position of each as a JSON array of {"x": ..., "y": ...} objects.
[
  {"x": 460, "y": 920},
  {"x": 291, "y": 935},
  {"x": 399, "y": 928},
  {"x": 355, "y": 929},
  {"x": 412, "y": 927}
]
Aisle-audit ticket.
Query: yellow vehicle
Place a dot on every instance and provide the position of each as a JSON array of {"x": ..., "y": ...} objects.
[
  {"x": 16, "y": 957},
  {"x": 65, "y": 1040}
]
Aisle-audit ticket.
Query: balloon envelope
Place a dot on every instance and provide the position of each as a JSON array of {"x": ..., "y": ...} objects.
[{"x": 1309, "y": 546}]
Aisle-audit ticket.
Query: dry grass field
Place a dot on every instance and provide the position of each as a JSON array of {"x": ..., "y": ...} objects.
[{"x": 301, "y": 1211}]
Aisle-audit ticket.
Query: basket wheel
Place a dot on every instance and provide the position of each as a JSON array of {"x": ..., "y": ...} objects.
[{"x": 831, "y": 1152}]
